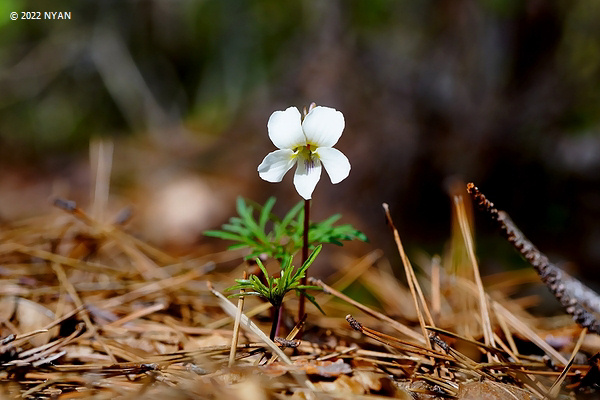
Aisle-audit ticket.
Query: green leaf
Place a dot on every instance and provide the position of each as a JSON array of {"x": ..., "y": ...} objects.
[
  {"x": 281, "y": 227},
  {"x": 311, "y": 287},
  {"x": 246, "y": 294},
  {"x": 260, "y": 287},
  {"x": 285, "y": 237},
  {"x": 238, "y": 287},
  {"x": 256, "y": 254},
  {"x": 256, "y": 282},
  {"x": 236, "y": 229},
  {"x": 262, "y": 267},
  {"x": 236, "y": 221},
  {"x": 265, "y": 213},
  {"x": 282, "y": 242},
  {"x": 246, "y": 213},
  {"x": 240, "y": 205},
  {"x": 331, "y": 220},
  {"x": 314, "y": 301},
  {"x": 301, "y": 271},
  {"x": 248, "y": 284},
  {"x": 287, "y": 261},
  {"x": 225, "y": 235},
  {"x": 239, "y": 246},
  {"x": 286, "y": 275}
]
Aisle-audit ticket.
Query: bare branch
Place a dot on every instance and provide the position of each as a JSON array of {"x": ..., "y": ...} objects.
[{"x": 578, "y": 300}]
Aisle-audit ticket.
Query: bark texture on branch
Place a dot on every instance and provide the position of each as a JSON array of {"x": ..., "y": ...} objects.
[{"x": 578, "y": 300}]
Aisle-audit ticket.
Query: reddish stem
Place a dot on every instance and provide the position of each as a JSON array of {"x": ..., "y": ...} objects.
[
  {"x": 304, "y": 256},
  {"x": 276, "y": 321}
]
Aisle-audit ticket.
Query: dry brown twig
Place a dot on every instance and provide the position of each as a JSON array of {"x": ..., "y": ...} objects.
[
  {"x": 413, "y": 284},
  {"x": 578, "y": 300}
]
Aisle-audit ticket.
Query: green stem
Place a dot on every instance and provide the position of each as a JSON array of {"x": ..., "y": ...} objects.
[{"x": 304, "y": 256}]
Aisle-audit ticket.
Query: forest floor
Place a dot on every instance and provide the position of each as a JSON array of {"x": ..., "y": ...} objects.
[{"x": 89, "y": 310}]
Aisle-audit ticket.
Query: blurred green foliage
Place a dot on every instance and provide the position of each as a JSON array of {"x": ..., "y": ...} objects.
[
  {"x": 504, "y": 93},
  {"x": 204, "y": 61}
]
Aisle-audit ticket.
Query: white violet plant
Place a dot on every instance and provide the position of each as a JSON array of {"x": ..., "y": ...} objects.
[{"x": 307, "y": 143}]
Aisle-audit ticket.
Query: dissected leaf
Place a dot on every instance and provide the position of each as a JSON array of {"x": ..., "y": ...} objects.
[
  {"x": 302, "y": 270},
  {"x": 286, "y": 235},
  {"x": 265, "y": 213},
  {"x": 312, "y": 299}
]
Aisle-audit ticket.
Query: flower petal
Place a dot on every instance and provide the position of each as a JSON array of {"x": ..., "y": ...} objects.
[
  {"x": 307, "y": 176},
  {"x": 285, "y": 129},
  {"x": 335, "y": 162},
  {"x": 276, "y": 164},
  {"x": 323, "y": 126}
]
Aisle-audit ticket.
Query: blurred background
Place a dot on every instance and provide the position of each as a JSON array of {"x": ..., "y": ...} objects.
[{"x": 504, "y": 93}]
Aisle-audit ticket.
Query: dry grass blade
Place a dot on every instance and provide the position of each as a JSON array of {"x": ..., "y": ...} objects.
[
  {"x": 101, "y": 155},
  {"x": 137, "y": 314},
  {"x": 354, "y": 271},
  {"x": 436, "y": 297},
  {"x": 483, "y": 304},
  {"x": 146, "y": 267},
  {"x": 555, "y": 388},
  {"x": 231, "y": 309},
  {"x": 527, "y": 332},
  {"x": 413, "y": 284},
  {"x": 171, "y": 284},
  {"x": 392, "y": 341},
  {"x": 289, "y": 339},
  {"x": 508, "y": 335},
  {"x": 394, "y": 324},
  {"x": 236, "y": 325},
  {"x": 578, "y": 300},
  {"x": 57, "y": 258},
  {"x": 62, "y": 277},
  {"x": 229, "y": 319}
]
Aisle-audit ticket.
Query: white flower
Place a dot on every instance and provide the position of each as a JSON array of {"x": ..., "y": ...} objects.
[{"x": 307, "y": 143}]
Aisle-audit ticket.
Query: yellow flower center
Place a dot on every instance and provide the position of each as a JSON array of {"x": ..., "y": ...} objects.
[{"x": 306, "y": 156}]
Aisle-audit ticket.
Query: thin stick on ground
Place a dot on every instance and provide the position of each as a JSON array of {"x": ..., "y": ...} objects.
[
  {"x": 405, "y": 330},
  {"x": 527, "y": 332},
  {"x": 145, "y": 265},
  {"x": 101, "y": 157},
  {"x": 436, "y": 297},
  {"x": 394, "y": 342},
  {"x": 245, "y": 322},
  {"x": 236, "y": 325},
  {"x": 62, "y": 277},
  {"x": 555, "y": 388},
  {"x": 452, "y": 360},
  {"x": 576, "y": 298},
  {"x": 488, "y": 333},
  {"x": 289, "y": 339},
  {"x": 413, "y": 284},
  {"x": 519, "y": 326}
]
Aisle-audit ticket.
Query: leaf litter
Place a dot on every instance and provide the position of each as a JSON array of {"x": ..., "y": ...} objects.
[{"x": 88, "y": 310}]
